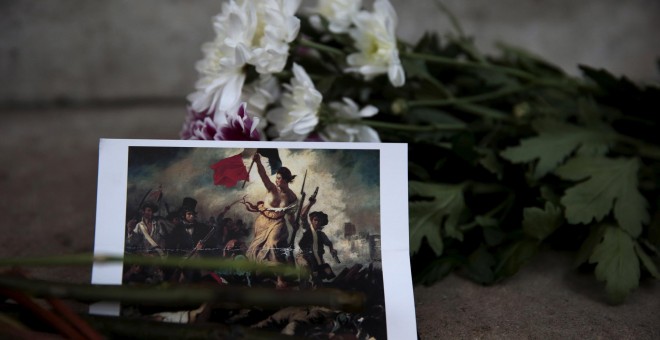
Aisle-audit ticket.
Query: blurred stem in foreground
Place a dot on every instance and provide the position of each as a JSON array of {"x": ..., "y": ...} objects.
[
  {"x": 182, "y": 296},
  {"x": 196, "y": 263},
  {"x": 132, "y": 328}
]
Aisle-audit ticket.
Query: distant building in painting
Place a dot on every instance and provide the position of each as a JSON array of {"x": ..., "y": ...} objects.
[
  {"x": 374, "y": 247},
  {"x": 362, "y": 243},
  {"x": 349, "y": 230}
]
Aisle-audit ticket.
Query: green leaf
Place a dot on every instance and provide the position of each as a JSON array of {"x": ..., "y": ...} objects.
[
  {"x": 418, "y": 171},
  {"x": 428, "y": 217},
  {"x": 486, "y": 221},
  {"x": 547, "y": 193},
  {"x": 610, "y": 183},
  {"x": 653, "y": 235},
  {"x": 618, "y": 264},
  {"x": 425, "y": 222},
  {"x": 515, "y": 256},
  {"x": 415, "y": 68},
  {"x": 434, "y": 271},
  {"x": 431, "y": 115},
  {"x": 587, "y": 247},
  {"x": 528, "y": 60},
  {"x": 490, "y": 162},
  {"x": 633, "y": 100},
  {"x": 493, "y": 78},
  {"x": 647, "y": 261},
  {"x": 480, "y": 266},
  {"x": 429, "y": 42},
  {"x": 608, "y": 82},
  {"x": 463, "y": 145},
  {"x": 493, "y": 235},
  {"x": 539, "y": 223},
  {"x": 555, "y": 142}
]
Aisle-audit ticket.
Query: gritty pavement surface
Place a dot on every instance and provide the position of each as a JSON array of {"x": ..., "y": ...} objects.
[{"x": 48, "y": 167}]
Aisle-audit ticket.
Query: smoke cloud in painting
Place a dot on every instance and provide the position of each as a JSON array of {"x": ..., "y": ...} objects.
[{"x": 348, "y": 182}]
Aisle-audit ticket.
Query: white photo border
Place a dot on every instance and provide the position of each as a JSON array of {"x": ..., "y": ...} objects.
[{"x": 397, "y": 282}]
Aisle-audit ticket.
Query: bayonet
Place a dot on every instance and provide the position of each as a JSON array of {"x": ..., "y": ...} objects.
[
  {"x": 300, "y": 207},
  {"x": 302, "y": 200}
]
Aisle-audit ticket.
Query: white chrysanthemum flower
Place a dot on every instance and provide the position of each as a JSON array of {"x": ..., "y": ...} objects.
[
  {"x": 235, "y": 25},
  {"x": 256, "y": 32},
  {"x": 345, "y": 132},
  {"x": 259, "y": 94},
  {"x": 298, "y": 116},
  {"x": 222, "y": 73},
  {"x": 375, "y": 38},
  {"x": 339, "y": 13},
  {"x": 274, "y": 28},
  {"x": 222, "y": 78},
  {"x": 262, "y": 29}
]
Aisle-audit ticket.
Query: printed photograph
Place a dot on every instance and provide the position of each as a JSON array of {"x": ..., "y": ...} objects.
[{"x": 316, "y": 209}]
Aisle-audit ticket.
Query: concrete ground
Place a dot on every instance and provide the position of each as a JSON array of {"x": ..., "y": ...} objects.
[{"x": 48, "y": 166}]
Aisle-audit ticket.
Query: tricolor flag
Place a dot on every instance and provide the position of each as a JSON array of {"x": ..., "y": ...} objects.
[
  {"x": 229, "y": 171},
  {"x": 273, "y": 157}
]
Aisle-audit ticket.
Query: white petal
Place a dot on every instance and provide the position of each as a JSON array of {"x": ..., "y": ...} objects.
[
  {"x": 368, "y": 111},
  {"x": 372, "y": 70},
  {"x": 231, "y": 92},
  {"x": 350, "y": 103},
  {"x": 396, "y": 75},
  {"x": 300, "y": 74},
  {"x": 368, "y": 135}
]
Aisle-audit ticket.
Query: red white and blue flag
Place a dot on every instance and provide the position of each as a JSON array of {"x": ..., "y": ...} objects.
[{"x": 229, "y": 171}]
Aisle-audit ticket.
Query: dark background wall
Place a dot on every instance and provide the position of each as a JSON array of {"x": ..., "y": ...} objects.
[{"x": 76, "y": 50}]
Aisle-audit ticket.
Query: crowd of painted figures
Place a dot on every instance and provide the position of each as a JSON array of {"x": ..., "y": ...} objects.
[
  {"x": 270, "y": 238},
  {"x": 181, "y": 234}
]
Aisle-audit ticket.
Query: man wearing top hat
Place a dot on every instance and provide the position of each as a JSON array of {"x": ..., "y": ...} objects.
[
  {"x": 189, "y": 232},
  {"x": 188, "y": 237}
]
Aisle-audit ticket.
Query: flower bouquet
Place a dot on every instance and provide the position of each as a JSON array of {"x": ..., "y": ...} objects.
[{"x": 508, "y": 154}]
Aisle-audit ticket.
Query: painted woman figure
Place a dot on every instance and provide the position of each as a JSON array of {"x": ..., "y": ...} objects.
[{"x": 271, "y": 230}]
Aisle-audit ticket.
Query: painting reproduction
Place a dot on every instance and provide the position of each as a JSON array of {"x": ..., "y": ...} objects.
[{"x": 337, "y": 213}]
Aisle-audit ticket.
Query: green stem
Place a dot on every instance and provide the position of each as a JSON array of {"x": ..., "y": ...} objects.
[
  {"x": 466, "y": 63},
  {"x": 188, "y": 296},
  {"x": 141, "y": 328},
  {"x": 470, "y": 99},
  {"x": 484, "y": 112},
  {"x": 438, "y": 85},
  {"x": 504, "y": 205},
  {"x": 195, "y": 262},
  {"x": 471, "y": 51},
  {"x": 404, "y": 127},
  {"x": 321, "y": 47},
  {"x": 467, "y": 226}
]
